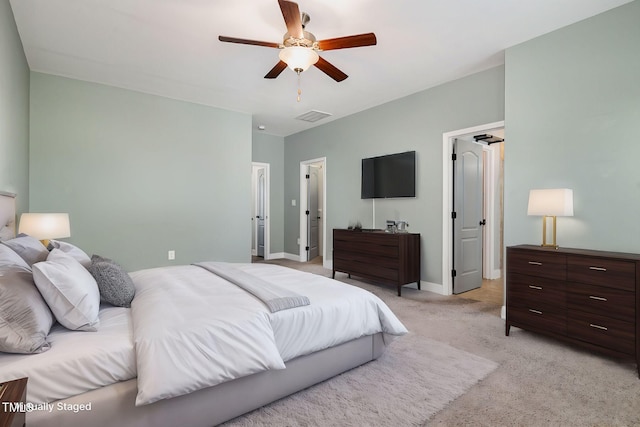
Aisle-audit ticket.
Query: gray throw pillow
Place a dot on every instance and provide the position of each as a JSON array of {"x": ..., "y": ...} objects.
[
  {"x": 115, "y": 284},
  {"x": 25, "y": 318},
  {"x": 29, "y": 248}
]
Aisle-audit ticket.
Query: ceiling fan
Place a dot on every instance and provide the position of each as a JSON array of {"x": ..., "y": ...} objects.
[{"x": 299, "y": 48}]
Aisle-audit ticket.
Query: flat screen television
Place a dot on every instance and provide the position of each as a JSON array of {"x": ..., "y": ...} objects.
[{"x": 389, "y": 176}]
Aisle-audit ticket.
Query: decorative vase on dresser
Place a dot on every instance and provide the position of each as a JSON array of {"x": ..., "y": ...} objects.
[{"x": 585, "y": 297}]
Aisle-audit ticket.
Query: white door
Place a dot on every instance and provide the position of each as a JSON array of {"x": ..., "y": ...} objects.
[
  {"x": 260, "y": 214},
  {"x": 467, "y": 215},
  {"x": 313, "y": 214}
]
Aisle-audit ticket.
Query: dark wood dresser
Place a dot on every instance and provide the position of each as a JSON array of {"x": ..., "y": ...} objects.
[
  {"x": 392, "y": 258},
  {"x": 12, "y": 401},
  {"x": 586, "y": 297}
]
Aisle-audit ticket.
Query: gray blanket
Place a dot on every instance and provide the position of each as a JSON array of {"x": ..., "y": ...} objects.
[{"x": 273, "y": 296}]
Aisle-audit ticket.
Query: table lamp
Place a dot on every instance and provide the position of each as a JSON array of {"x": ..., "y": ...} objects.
[
  {"x": 550, "y": 203},
  {"x": 45, "y": 226}
]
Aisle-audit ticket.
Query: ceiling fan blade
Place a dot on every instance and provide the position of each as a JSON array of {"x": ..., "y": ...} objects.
[
  {"x": 368, "y": 39},
  {"x": 246, "y": 41},
  {"x": 330, "y": 70},
  {"x": 291, "y": 15},
  {"x": 275, "y": 71}
]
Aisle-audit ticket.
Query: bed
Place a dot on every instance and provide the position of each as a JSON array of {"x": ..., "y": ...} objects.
[{"x": 159, "y": 363}]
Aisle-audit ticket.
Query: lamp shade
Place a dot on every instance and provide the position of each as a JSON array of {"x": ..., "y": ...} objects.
[
  {"x": 551, "y": 202},
  {"x": 298, "y": 57},
  {"x": 45, "y": 226}
]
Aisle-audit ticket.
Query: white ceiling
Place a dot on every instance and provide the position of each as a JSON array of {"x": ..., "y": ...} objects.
[{"x": 171, "y": 48}]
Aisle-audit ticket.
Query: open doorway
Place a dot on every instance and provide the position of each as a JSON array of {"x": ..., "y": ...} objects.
[
  {"x": 313, "y": 210},
  {"x": 260, "y": 233},
  {"x": 485, "y": 161}
]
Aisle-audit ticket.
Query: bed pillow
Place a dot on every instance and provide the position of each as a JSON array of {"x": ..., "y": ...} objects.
[
  {"x": 72, "y": 250},
  {"x": 115, "y": 284},
  {"x": 9, "y": 257},
  {"x": 25, "y": 318},
  {"x": 70, "y": 291},
  {"x": 29, "y": 248}
]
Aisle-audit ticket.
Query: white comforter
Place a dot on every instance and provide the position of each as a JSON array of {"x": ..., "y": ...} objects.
[{"x": 193, "y": 329}]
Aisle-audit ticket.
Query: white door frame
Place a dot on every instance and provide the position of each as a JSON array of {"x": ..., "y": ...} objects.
[
  {"x": 447, "y": 201},
  {"x": 303, "y": 207},
  {"x": 267, "y": 204}
]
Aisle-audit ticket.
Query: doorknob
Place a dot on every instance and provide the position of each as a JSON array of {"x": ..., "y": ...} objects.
[{"x": 483, "y": 222}]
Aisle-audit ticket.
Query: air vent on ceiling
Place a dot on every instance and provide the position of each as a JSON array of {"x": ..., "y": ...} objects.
[{"x": 313, "y": 116}]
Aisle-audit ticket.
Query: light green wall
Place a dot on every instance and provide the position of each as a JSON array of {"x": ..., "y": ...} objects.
[
  {"x": 415, "y": 122},
  {"x": 141, "y": 174},
  {"x": 270, "y": 149},
  {"x": 573, "y": 120},
  {"x": 14, "y": 111}
]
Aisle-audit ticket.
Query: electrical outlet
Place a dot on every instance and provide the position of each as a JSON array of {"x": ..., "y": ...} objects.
[
  {"x": 293, "y": 202},
  {"x": 298, "y": 240},
  {"x": 171, "y": 255}
]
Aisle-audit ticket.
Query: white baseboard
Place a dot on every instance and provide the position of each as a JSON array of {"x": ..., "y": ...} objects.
[
  {"x": 328, "y": 264},
  {"x": 292, "y": 257},
  {"x": 432, "y": 287},
  {"x": 503, "y": 312}
]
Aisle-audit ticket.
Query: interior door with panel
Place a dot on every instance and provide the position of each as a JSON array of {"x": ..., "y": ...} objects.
[
  {"x": 260, "y": 216},
  {"x": 313, "y": 214},
  {"x": 467, "y": 215}
]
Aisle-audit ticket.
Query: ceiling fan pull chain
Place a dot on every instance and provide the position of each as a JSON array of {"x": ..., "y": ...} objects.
[{"x": 299, "y": 89}]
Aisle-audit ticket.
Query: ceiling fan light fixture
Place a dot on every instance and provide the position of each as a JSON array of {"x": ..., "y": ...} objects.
[{"x": 298, "y": 58}]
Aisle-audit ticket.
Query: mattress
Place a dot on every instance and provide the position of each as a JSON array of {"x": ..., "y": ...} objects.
[{"x": 77, "y": 361}]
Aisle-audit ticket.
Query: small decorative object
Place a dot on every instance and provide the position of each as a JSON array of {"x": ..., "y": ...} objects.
[
  {"x": 358, "y": 226},
  {"x": 401, "y": 226}
]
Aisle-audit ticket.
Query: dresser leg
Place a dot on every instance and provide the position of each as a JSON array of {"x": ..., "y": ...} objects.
[
  {"x": 507, "y": 329},
  {"x": 418, "y": 282},
  {"x": 333, "y": 276},
  {"x": 399, "y": 291}
]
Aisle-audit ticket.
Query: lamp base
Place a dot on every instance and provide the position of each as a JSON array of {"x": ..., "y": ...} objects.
[{"x": 553, "y": 244}]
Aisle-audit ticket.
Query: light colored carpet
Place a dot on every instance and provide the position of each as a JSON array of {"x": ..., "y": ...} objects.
[
  {"x": 539, "y": 381},
  {"x": 415, "y": 378}
]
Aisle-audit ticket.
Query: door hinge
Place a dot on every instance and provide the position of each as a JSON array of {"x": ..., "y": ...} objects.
[
  {"x": 453, "y": 273},
  {"x": 307, "y": 176},
  {"x": 306, "y": 248},
  {"x": 307, "y": 212},
  {"x": 454, "y": 157},
  {"x": 453, "y": 215}
]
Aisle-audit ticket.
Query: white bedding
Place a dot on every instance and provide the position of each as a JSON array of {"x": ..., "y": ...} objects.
[
  {"x": 194, "y": 330},
  {"x": 182, "y": 325},
  {"x": 77, "y": 361}
]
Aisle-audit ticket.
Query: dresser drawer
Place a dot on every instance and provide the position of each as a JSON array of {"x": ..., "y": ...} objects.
[
  {"x": 603, "y": 331},
  {"x": 539, "y": 290},
  {"x": 608, "y": 272},
  {"x": 366, "y": 243},
  {"x": 534, "y": 263},
  {"x": 608, "y": 302},
  {"x": 538, "y": 317}
]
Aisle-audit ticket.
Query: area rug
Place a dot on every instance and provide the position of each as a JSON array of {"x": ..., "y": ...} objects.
[{"x": 414, "y": 379}]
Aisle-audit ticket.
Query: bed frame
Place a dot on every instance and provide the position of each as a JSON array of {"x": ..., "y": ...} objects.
[{"x": 115, "y": 404}]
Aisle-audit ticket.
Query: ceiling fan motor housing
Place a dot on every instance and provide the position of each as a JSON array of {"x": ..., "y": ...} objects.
[{"x": 309, "y": 40}]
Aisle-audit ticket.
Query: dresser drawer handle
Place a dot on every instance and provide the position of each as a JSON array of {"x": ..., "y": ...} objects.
[
  {"x": 598, "y": 268},
  {"x": 535, "y": 287},
  {"x": 535, "y": 263},
  {"x": 598, "y": 327},
  {"x": 535, "y": 311},
  {"x": 597, "y": 298}
]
